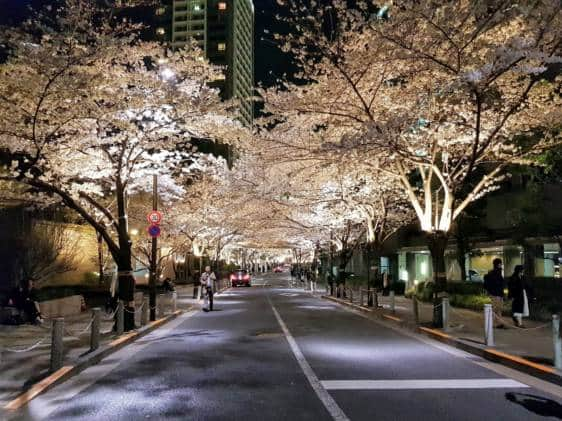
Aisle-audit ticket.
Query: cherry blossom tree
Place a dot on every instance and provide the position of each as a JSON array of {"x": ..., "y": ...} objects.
[
  {"x": 439, "y": 97},
  {"x": 89, "y": 113}
]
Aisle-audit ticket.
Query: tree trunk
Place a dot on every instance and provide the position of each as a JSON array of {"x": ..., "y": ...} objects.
[
  {"x": 437, "y": 243},
  {"x": 372, "y": 254},
  {"x": 100, "y": 259},
  {"x": 124, "y": 260}
]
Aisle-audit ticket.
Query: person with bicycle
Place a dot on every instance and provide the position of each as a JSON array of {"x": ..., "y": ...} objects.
[{"x": 207, "y": 282}]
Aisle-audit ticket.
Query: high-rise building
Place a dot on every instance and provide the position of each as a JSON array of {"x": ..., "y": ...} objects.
[{"x": 224, "y": 29}]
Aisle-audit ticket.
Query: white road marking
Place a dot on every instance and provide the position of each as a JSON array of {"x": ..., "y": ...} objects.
[
  {"x": 421, "y": 384},
  {"x": 527, "y": 379},
  {"x": 329, "y": 402}
]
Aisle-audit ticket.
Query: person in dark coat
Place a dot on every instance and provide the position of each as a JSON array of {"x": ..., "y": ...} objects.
[
  {"x": 521, "y": 293},
  {"x": 494, "y": 285},
  {"x": 24, "y": 299}
]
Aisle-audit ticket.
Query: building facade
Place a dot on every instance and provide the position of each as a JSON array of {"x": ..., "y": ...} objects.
[{"x": 224, "y": 29}]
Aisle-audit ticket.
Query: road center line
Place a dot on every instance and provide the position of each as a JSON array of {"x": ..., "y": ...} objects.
[
  {"x": 329, "y": 402},
  {"x": 421, "y": 384}
]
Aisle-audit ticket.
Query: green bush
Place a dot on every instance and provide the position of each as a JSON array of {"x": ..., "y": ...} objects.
[
  {"x": 470, "y": 301},
  {"x": 465, "y": 288},
  {"x": 410, "y": 292}
]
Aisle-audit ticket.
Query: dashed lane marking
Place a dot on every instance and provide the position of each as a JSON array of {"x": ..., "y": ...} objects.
[
  {"x": 329, "y": 402},
  {"x": 421, "y": 384}
]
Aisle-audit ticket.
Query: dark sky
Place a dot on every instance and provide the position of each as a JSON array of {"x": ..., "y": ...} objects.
[{"x": 270, "y": 62}]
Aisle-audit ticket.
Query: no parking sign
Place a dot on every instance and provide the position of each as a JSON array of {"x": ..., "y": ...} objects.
[
  {"x": 154, "y": 217},
  {"x": 154, "y": 231}
]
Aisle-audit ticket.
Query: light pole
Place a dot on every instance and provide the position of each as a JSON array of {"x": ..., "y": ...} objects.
[{"x": 153, "y": 255}]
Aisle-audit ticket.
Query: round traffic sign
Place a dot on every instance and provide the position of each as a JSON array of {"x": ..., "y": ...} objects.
[
  {"x": 154, "y": 231},
  {"x": 154, "y": 217}
]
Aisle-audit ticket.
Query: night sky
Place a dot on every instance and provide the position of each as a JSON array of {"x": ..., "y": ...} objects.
[{"x": 270, "y": 62}]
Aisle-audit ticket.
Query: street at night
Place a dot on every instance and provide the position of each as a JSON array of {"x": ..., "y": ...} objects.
[
  {"x": 275, "y": 353},
  {"x": 280, "y": 210}
]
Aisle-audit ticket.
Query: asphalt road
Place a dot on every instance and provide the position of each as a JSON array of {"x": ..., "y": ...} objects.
[{"x": 273, "y": 353}]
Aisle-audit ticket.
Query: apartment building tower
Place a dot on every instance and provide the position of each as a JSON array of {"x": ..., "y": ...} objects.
[{"x": 224, "y": 29}]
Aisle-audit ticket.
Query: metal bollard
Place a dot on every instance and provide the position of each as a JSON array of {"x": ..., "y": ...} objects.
[
  {"x": 144, "y": 311},
  {"x": 392, "y": 301},
  {"x": 95, "y": 333},
  {"x": 445, "y": 313},
  {"x": 57, "y": 346},
  {"x": 174, "y": 301},
  {"x": 488, "y": 325},
  {"x": 416, "y": 309},
  {"x": 120, "y": 318},
  {"x": 557, "y": 341}
]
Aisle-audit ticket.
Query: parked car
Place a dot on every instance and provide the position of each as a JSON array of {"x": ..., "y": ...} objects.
[
  {"x": 474, "y": 276},
  {"x": 277, "y": 269},
  {"x": 240, "y": 277}
]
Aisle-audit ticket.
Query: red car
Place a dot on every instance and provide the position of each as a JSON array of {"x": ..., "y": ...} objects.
[
  {"x": 240, "y": 277},
  {"x": 277, "y": 269}
]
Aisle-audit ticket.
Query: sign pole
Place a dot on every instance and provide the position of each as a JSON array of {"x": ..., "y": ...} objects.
[{"x": 153, "y": 254}]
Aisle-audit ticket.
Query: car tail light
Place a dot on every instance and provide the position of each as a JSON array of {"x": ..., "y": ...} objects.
[
  {"x": 232, "y": 277},
  {"x": 246, "y": 277}
]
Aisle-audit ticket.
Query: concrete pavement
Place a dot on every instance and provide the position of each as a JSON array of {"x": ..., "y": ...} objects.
[{"x": 275, "y": 353}]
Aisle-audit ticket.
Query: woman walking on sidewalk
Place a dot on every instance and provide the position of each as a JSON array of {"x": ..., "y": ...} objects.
[{"x": 521, "y": 293}]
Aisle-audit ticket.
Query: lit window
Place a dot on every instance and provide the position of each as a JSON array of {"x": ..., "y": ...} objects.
[
  {"x": 222, "y": 5},
  {"x": 160, "y": 11},
  {"x": 221, "y": 46},
  {"x": 160, "y": 31},
  {"x": 197, "y": 7}
]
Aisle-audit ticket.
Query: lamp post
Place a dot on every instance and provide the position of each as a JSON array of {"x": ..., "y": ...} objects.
[{"x": 153, "y": 255}]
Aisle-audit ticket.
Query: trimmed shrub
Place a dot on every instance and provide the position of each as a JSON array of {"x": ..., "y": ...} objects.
[{"x": 470, "y": 301}]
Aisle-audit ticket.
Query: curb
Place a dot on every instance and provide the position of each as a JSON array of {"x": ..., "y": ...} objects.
[
  {"x": 543, "y": 372},
  {"x": 85, "y": 362}
]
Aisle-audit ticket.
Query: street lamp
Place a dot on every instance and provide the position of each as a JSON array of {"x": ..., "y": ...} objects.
[{"x": 167, "y": 74}]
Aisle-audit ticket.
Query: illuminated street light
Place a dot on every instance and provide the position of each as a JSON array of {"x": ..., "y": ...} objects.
[{"x": 167, "y": 74}]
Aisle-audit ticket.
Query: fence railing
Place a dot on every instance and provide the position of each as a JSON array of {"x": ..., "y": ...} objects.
[{"x": 57, "y": 331}]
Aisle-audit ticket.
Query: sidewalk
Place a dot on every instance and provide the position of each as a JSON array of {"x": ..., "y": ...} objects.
[
  {"x": 25, "y": 349},
  {"x": 533, "y": 343}
]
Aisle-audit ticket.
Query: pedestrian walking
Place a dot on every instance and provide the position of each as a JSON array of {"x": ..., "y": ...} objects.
[
  {"x": 521, "y": 293},
  {"x": 494, "y": 284},
  {"x": 207, "y": 282}
]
